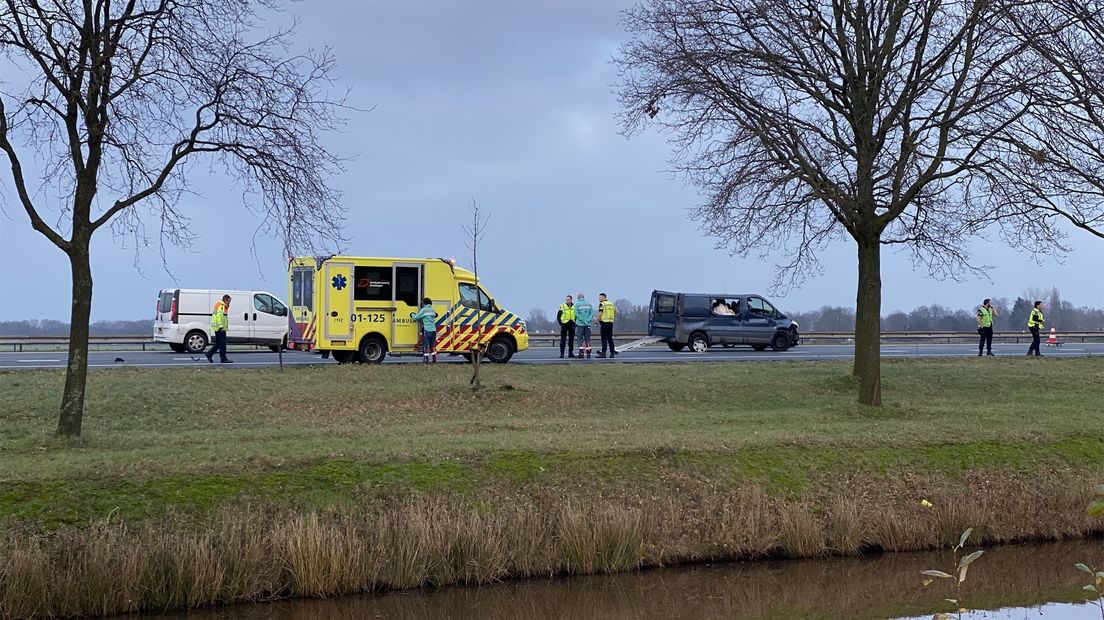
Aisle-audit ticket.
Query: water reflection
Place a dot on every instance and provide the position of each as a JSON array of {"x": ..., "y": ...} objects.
[{"x": 1035, "y": 580}]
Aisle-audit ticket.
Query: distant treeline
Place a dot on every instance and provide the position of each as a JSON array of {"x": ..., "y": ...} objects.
[
  {"x": 1011, "y": 316},
  {"x": 50, "y": 327}
]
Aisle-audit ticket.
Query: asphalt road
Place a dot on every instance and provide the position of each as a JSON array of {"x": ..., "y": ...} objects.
[{"x": 250, "y": 358}]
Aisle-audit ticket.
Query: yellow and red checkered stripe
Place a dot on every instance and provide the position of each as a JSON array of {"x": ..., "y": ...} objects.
[{"x": 462, "y": 328}]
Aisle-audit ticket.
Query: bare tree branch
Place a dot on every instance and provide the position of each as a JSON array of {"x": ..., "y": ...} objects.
[{"x": 125, "y": 94}]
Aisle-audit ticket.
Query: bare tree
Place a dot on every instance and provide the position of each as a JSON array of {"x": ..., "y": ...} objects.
[
  {"x": 474, "y": 232},
  {"x": 118, "y": 97},
  {"x": 892, "y": 122}
]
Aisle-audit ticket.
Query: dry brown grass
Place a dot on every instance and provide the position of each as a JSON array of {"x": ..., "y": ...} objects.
[{"x": 258, "y": 554}]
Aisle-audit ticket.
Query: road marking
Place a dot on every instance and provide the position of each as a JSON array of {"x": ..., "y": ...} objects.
[{"x": 36, "y": 361}]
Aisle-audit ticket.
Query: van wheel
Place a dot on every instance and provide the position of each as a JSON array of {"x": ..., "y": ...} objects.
[
  {"x": 500, "y": 350},
  {"x": 372, "y": 350},
  {"x": 178, "y": 348},
  {"x": 275, "y": 348},
  {"x": 780, "y": 342},
  {"x": 195, "y": 341},
  {"x": 699, "y": 343},
  {"x": 759, "y": 347},
  {"x": 676, "y": 346},
  {"x": 343, "y": 357},
  {"x": 795, "y": 338}
]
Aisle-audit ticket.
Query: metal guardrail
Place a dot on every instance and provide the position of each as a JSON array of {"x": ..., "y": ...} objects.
[
  {"x": 18, "y": 342},
  {"x": 887, "y": 337}
]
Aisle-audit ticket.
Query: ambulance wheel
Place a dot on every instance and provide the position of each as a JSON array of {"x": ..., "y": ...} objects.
[
  {"x": 500, "y": 351},
  {"x": 372, "y": 350},
  {"x": 343, "y": 357},
  {"x": 195, "y": 341},
  {"x": 676, "y": 346},
  {"x": 176, "y": 347},
  {"x": 699, "y": 343}
]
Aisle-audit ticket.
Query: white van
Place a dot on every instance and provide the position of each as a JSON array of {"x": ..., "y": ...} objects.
[{"x": 183, "y": 318}]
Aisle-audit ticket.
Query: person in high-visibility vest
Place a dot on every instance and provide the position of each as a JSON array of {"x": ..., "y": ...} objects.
[
  {"x": 985, "y": 316},
  {"x": 584, "y": 316},
  {"x": 220, "y": 322},
  {"x": 1035, "y": 323},
  {"x": 606, "y": 314},
  {"x": 566, "y": 318}
]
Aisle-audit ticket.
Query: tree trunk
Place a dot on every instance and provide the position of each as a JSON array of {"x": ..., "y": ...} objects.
[
  {"x": 76, "y": 374},
  {"x": 868, "y": 323}
]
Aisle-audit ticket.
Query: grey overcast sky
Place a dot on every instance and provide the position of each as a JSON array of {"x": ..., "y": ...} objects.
[{"x": 512, "y": 103}]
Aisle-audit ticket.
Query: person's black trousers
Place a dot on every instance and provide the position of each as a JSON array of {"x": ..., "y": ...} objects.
[
  {"x": 985, "y": 340},
  {"x": 1034, "y": 341},
  {"x": 219, "y": 346},
  {"x": 567, "y": 338},
  {"x": 607, "y": 337}
]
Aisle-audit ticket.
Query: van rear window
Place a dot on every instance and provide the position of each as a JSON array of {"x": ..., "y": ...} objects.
[
  {"x": 665, "y": 304},
  {"x": 166, "y": 301}
]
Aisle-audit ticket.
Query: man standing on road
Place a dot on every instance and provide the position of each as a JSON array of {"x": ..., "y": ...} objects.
[
  {"x": 566, "y": 318},
  {"x": 1035, "y": 324},
  {"x": 985, "y": 316},
  {"x": 606, "y": 313},
  {"x": 584, "y": 316},
  {"x": 219, "y": 323}
]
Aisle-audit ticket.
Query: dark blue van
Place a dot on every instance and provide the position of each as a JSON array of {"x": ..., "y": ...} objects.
[{"x": 700, "y": 320}]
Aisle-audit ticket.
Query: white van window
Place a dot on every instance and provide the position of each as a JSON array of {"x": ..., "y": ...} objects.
[{"x": 269, "y": 305}]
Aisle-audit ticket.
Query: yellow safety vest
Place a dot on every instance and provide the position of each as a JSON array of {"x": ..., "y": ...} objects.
[
  {"x": 986, "y": 315},
  {"x": 219, "y": 322},
  {"x": 1036, "y": 318},
  {"x": 567, "y": 314},
  {"x": 606, "y": 312}
]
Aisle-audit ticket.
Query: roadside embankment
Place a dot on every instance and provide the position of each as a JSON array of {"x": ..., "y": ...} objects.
[{"x": 195, "y": 488}]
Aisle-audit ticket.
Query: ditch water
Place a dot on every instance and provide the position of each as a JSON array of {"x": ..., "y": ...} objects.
[{"x": 1016, "y": 582}]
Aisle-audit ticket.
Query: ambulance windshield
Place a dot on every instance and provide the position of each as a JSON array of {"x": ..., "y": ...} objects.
[{"x": 469, "y": 294}]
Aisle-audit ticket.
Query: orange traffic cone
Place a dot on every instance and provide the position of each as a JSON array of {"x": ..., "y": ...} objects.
[{"x": 1052, "y": 341}]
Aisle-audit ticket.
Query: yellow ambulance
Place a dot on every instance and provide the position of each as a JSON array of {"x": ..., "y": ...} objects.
[{"x": 359, "y": 309}]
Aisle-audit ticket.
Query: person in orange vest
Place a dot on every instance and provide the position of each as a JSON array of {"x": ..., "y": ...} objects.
[
  {"x": 220, "y": 322},
  {"x": 1035, "y": 324}
]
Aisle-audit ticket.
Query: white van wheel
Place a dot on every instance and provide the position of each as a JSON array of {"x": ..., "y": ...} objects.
[{"x": 195, "y": 341}]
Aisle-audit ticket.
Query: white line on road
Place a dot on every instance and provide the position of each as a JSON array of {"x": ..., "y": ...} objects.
[{"x": 36, "y": 361}]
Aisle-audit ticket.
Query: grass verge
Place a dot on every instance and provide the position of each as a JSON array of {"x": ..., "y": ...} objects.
[{"x": 200, "y": 487}]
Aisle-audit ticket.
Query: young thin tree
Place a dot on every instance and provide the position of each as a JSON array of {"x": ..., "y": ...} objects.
[
  {"x": 117, "y": 97},
  {"x": 891, "y": 122},
  {"x": 474, "y": 232}
]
